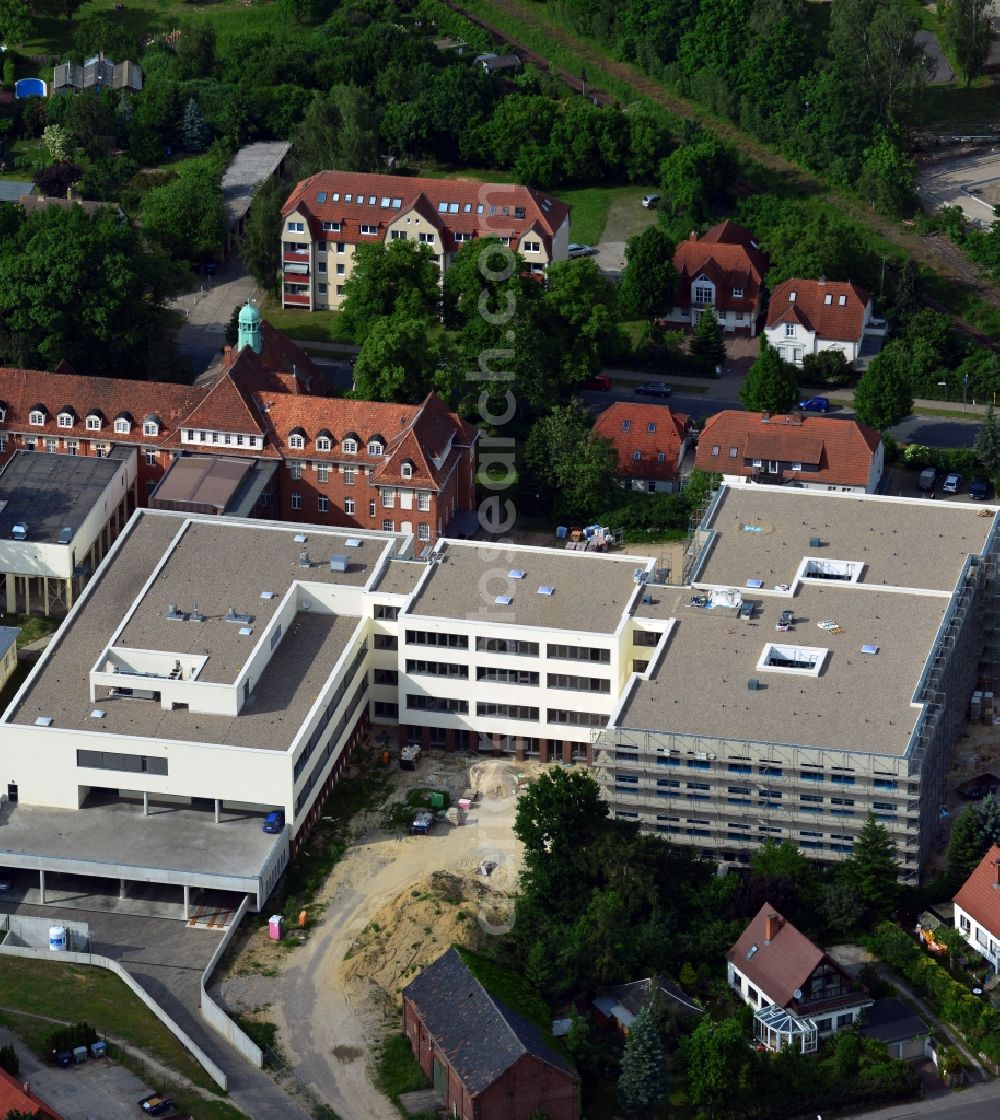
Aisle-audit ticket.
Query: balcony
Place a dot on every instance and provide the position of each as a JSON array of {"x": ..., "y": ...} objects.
[
  {"x": 295, "y": 258},
  {"x": 295, "y": 300},
  {"x": 294, "y": 277}
]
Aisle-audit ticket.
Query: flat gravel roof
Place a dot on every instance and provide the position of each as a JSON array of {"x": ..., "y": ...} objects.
[
  {"x": 590, "y": 592},
  {"x": 400, "y": 577},
  {"x": 50, "y": 492}
]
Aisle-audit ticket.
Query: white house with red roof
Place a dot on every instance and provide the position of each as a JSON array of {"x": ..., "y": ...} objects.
[
  {"x": 724, "y": 270},
  {"x": 651, "y": 440},
  {"x": 977, "y": 908},
  {"x": 808, "y": 451},
  {"x": 329, "y": 214},
  {"x": 809, "y": 316}
]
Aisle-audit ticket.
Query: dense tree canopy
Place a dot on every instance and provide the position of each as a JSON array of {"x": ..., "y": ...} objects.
[
  {"x": 649, "y": 279},
  {"x": 389, "y": 278},
  {"x": 186, "y": 215},
  {"x": 770, "y": 384},
  {"x": 575, "y": 467},
  {"x": 883, "y": 397}
]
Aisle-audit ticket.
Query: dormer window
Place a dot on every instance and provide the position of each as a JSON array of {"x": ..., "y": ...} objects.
[
  {"x": 297, "y": 439},
  {"x": 323, "y": 443},
  {"x": 737, "y": 293},
  {"x": 123, "y": 425},
  {"x": 406, "y": 470},
  {"x": 151, "y": 426},
  {"x": 94, "y": 422},
  {"x": 36, "y": 417},
  {"x": 65, "y": 419},
  {"x": 374, "y": 447},
  {"x": 350, "y": 446}
]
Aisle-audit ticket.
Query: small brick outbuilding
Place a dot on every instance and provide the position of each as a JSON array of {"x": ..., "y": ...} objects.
[{"x": 486, "y": 1061}]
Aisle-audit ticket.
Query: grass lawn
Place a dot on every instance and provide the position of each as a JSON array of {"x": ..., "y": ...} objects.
[
  {"x": 303, "y": 326},
  {"x": 74, "y": 994},
  {"x": 33, "y": 626},
  {"x": 397, "y": 1071},
  {"x": 955, "y": 108},
  {"x": 591, "y": 207}
]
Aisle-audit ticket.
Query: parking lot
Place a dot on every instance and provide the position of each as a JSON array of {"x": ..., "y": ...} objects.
[
  {"x": 971, "y": 182},
  {"x": 96, "y": 1090}
]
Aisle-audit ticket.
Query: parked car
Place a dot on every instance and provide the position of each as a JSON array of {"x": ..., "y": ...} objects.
[
  {"x": 927, "y": 479},
  {"x": 578, "y": 250},
  {"x": 650, "y": 201},
  {"x": 979, "y": 489},
  {"x": 815, "y": 404},
  {"x": 6, "y": 880},
  {"x": 274, "y": 822},
  {"x": 156, "y": 1104},
  {"x": 422, "y": 823},
  {"x": 975, "y": 789},
  {"x": 210, "y": 268},
  {"x": 600, "y": 382},
  {"x": 654, "y": 389},
  {"x": 952, "y": 484}
]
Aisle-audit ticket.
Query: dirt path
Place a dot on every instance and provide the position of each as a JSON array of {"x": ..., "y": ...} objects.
[
  {"x": 944, "y": 259},
  {"x": 326, "y": 1020}
]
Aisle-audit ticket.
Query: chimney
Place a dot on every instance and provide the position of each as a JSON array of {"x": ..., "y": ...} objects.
[
  {"x": 822, "y": 280},
  {"x": 227, "y": 357},
  {"x": 693, "y": 236},
  {"x": 765, "y": 418},
  {"x": 772, "y": 923},
  {"x": 996, "y": 874}
]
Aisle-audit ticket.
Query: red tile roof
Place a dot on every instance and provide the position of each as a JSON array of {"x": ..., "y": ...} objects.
[
  {"x": 842, "y": 449},
  {"x": 17, "y": 1096},
  {"x": 666, "y": 437},
  {"x": 816, "y": 305},
  {"x": 470, "y": 206},
  {"x": 979, "y": 895},
  {"x": 778, "y": 967},
  {"x": 730, "y": 258}
]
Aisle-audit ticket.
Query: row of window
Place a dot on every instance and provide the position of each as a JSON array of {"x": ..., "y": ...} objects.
[
  {"x": 451, "y": 705},
  {"x": 226, "y": 439},
  {"x": 94, "y": 421},
  {"x": 328, "y": 709},
  {"x": 128, "y": 763},
  {"x": 302, "y": 798},
  {"x": 512, "y": 646}
]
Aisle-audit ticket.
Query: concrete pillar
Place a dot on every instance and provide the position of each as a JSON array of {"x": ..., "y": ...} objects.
[
  {"x": 187, "y": 902},
  {"x": 218, "y": 806},
  {"x": 449, "y": 739},
  {"x": 69, "y": 593},
  {"x": 27, "y": 594},
  {"x": 543, "y": 750},
  {"x": 145, "y": 803},
  {"x": 590, "y": 754},
  {"x": 45, "y": 595},
  {"x": 567, "y": 751},
  {"x": 520, "y": 748},
  {"x": 121, "y": 888},
  {"x": 41, "y": 885},
  {"x": 10, "y": 590}
]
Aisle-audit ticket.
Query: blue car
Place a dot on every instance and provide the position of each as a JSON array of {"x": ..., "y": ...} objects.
[
  {"x": 815, "y": 404},
  {"x": 274, "y": 822}
]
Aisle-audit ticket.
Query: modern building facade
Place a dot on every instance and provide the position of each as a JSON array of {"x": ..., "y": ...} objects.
[
  {"x": 328, "y": 215},
  {"x": 356, "y": 464},
  {"x": 801, "y": 449}
]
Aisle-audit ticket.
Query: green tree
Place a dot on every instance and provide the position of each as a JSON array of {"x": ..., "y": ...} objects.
[
  {"x": 80, "y": 288},
  {"x": 720, "y": 1068},
  {"x": 643, "y": 1080},
  {"x": 196, "y": 133},
  {"x": 969, "y": 24},
  {"x": 186, "y": 216},
  {"x": 841, "y": 905},
  {"x": 338, "y": 131},
  {"x": 578, "y": 312},
  {"x": 649, "y": 279},
  {"x": 566, "y": 458},
  {"x": 696, "y": 177},
  {"x": 770, "y": 384},
  {"x": 873, "y": 868},
  {"x": 847, "y": 1055},
  {"x": 58, "y": 143},
  {"x": 9, "y": 1061},
  {"x": 261, "y": 249},
  {"x": 15, "y": 22},
  {"x": 708, "y": 340},
  {"x": 987, "y": 445},
  {"x": 888, "y": 175},
  {"x": 397, "y": 362},
  {"x": 389, "y": 278},
  {"x": 195, "y": 49},
  {"x": 989, "y": 815},
  {"x": 884, "y": 396}
]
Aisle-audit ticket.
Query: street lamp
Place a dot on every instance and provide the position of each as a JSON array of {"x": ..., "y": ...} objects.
[{"x": 965, "y": 390}]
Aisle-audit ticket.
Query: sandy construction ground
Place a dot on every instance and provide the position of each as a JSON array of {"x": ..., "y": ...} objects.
[
  {"x": 392, "y": 905},
  {"x": 972, "y": 182}
]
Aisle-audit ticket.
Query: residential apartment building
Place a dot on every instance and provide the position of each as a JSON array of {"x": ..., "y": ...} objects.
[
  {"x": 724, "y": 270},
  {"x": 332, "y": 212},
  {"x": 650, "y": 439},
  {"x": 810, "y": 316},
  {"x": 801, "y": 450},
  {"x": 329, "y": 461},
  {"x": 977, "y": 908}
]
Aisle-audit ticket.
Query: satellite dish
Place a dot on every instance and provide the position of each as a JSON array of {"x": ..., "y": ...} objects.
[{"x": 797, "y": 994}]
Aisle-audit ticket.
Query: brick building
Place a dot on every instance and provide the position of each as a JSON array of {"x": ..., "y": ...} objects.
[
  {"x": 650, "y": 439},
  {"x": 486, "y": 1061},
  {"x": 334, "y": 462}
]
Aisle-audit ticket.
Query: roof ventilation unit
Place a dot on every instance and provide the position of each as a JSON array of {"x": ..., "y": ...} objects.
[
  {"x": 753, "y": 685},
  {"x": 300, "y": 538},
  {"x": 44, "y": 721},
  {"x": 503, "y": 600},
  {"x": 338, "y": 563},
  {"x": 174, "y": 614},
  {"x": 304, "y": 558},
  {"x": 815, "y": 542},
  {"x": 546, "y": 590},
  {"x": 65, "y": 535},
  {"x": 869, "y": 649},
  {"x": 98, "y": 713},
  {"x": 196, "y": 615},
  {"x": 352, "y": 542},
  {"x": 267, "y": 594},
  {"x": 20, "y": 531},
  {"x": 232, "y": 615},
  {"x": 517, "y": 573}
]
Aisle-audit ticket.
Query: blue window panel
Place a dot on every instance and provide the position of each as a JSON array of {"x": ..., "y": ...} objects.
[{"x": 738, "y": 768}]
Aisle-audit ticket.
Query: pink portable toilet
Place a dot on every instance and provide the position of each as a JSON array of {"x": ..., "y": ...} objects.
[{"x": 275, "y": 927}]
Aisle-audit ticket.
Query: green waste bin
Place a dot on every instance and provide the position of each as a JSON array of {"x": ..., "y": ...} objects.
[{"x": 437, "y": 800}]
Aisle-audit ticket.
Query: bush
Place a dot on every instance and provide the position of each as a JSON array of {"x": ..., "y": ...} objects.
[
  {"x": 9, "y": 1061},
  {"x": 826, "y": 370},
  {"x": 67, "y": 1038}
]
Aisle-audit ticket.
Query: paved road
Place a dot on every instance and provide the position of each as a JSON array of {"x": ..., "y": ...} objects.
[
  {"x": 207, "y": 309},
  {"x": 981, "y": 1102}
]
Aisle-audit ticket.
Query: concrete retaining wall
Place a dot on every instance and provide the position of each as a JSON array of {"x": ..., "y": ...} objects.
[
  {"x": 33, "y": 933},
  {"x": 97, "y": 961},
  {"x": 213, "y": 1013}
]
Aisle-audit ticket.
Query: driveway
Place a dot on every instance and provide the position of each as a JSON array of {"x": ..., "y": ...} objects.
[
  {"x": 100, "y": 1088},
  {"x": 626, "y": 216},
  {"x": 207, "y": 309},
  {"x": 941, "y": 73}
]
